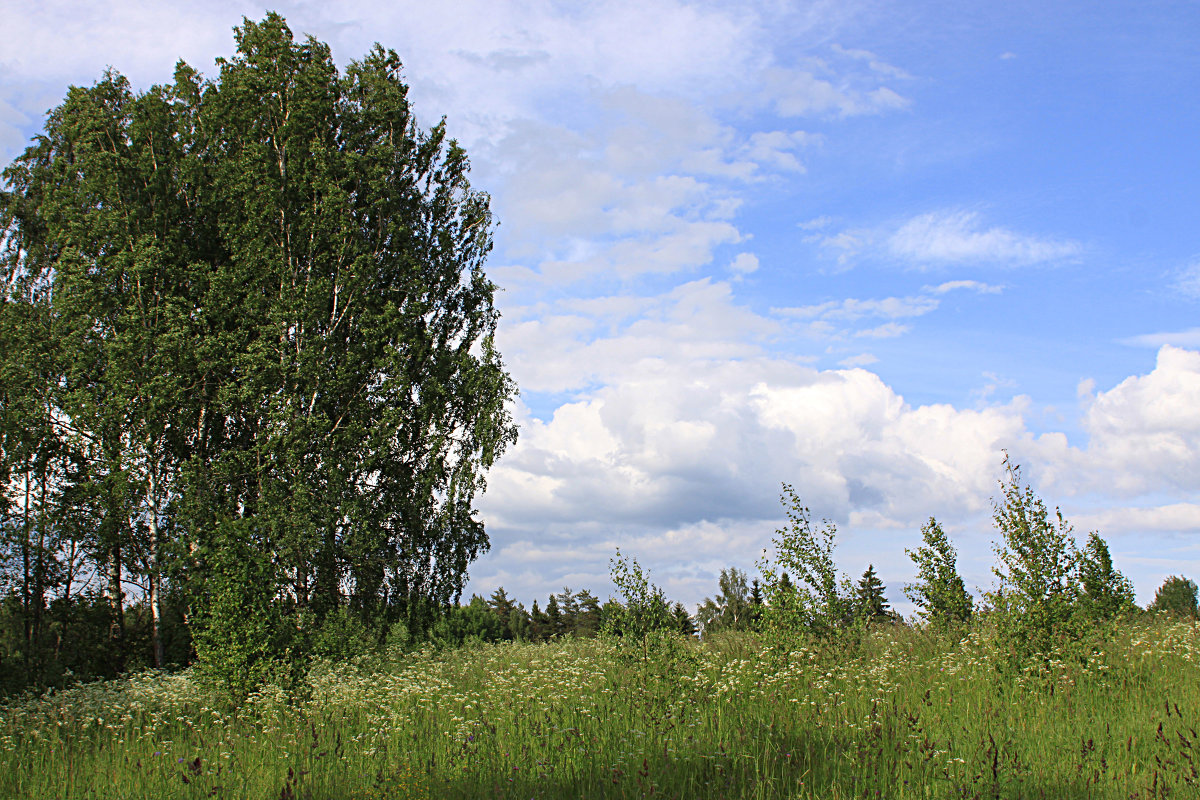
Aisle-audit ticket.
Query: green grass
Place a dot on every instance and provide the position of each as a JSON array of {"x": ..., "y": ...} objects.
[{"x": 899, "y": 714}]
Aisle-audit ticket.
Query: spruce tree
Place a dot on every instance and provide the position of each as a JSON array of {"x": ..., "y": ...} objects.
[
  {"x": 683, "y": 620},
  {"x": 871, "y": 598}
]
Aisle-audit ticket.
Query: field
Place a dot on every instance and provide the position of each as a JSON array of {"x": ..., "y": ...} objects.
[{"x": 898, "y": 713}]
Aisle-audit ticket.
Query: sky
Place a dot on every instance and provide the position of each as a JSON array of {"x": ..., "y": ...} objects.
[{"x": 861, "y": 248}]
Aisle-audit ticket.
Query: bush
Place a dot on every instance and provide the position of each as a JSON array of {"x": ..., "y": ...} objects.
[
  {"x": 1106, "y": 592},
  {"x": 818, "y": 602},
  {"x": 1035, "y": 604},
  {"x": 1177, "y": 596},
  {"x": 341, "y": 636},
  {"x": 240, "y": 635},
  {"x": 941, "y": 598}
]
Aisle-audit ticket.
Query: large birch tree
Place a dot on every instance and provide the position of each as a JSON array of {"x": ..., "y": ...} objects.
[{"x": 275, "y": 336}]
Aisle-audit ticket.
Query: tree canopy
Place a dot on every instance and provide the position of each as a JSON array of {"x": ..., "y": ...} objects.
[{"x": 248, "y": 344}]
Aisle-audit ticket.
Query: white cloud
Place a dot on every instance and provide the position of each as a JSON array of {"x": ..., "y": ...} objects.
[
  {"x": 778, "y": 148},
  {"x": 1187, "y": 282},
  {"x": 873, "y": 61},
  {"x": 816, "y": 223},
  {"x": 678, "y": 461},
  {"x": 688, "y": 440},
  {"x": 1144, "y": 433},
  {"x": 974, "y": 286},
  {"x": 1185, "y": 338},
  {"x": 956, "y": 236},
  {"x": 744, "y": 264},
  {"x": 815, "y": 89},
  {"x": 888, "y": 330},
  {"x": 606, "y": 337},
  {"x": 854, "y": 309},
  {"x": 1168, "y": 518},
  {"x": 834, "y": 319},
  {"x": 860, "y": 360}
]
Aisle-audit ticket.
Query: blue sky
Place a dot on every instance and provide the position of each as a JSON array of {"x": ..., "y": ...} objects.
[{"x": 857, "y": 247}]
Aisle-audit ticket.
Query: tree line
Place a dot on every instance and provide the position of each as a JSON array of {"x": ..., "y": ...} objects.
[{"x": 1048, "y": 588}]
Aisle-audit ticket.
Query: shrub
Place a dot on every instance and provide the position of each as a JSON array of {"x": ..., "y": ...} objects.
[
  {"x": 1106, "y": 593},
  {"x": 941, "y": 598},
  {"x": 817, "y": 602},
  {"x": 1177, "y": 596},
  {"x": 645, "y": 609},
  {"x": 1036, "y": 599}
]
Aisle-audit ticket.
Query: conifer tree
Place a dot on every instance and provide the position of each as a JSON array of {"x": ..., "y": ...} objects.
[
  {"x": 589, "y": 619},
  {"x": 569, "y": 608},
  {"x": 503, "y": 607},
  {"x": 683, "y": 620},
  {"x": 870, "y": 597},
  {"x": 540, "y": 629}
]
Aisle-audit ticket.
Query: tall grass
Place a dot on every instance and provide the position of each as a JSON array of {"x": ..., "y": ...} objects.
[{"x": 898, "y": 713}]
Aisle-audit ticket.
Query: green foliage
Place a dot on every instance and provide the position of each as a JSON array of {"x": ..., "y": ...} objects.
[
  {"x": 731, "y": 609},
  {"x": 341, "y": 636},
  {"x": 588, "y": 619},
  {"x": 818, "y": 602},
  {"x": 503, "y": 606},
  {"x": 1177, "y": 597},
  {"x": 240, "y": 634},
  {"x": 518, "y": 624},
  {"x": 899, "y": 714},
  {"x": 683, "y": 620},
  {"x": 941, "y": 598},
  {"x": 248, "y": 306},
  {"x": 1035, "y": 603},
  {"x": 475, "y": 622},
  {"x": 645, "y": 610},
  {"x": 1106, "y": 593},
  {"x": 870, "y": 598}
]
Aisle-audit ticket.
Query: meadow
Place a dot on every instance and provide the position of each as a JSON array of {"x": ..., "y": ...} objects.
[{"x": 895, "y": 712}]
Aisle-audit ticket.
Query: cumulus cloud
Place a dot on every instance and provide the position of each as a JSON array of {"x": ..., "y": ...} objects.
[
  {"x": 693, "y": 442},
  {"x": 1144, "y": 433},
  {"x": 744, "y": 264},
  {"x": 604, "y": 337},
  {"x": 680, "y": 460}
]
